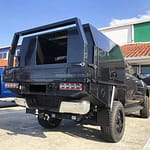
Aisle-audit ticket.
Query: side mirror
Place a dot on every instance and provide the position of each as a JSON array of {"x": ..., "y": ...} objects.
[{"x": 138, "y": 76}]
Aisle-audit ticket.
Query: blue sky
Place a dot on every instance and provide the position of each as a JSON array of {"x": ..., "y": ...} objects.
[{"x": 17, "y": 15}]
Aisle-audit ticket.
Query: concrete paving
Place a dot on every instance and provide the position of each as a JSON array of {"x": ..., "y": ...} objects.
[{"x": 20, "y": 131}]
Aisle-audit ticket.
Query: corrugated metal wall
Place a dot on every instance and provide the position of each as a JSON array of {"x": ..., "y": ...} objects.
[{"x": 142, "y": 32}]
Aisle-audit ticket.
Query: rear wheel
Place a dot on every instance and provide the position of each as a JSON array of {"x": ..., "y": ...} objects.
[
  {"x": 144, "y": 113},
  {"x": 49, "y": 123},
  {"x": 115, "y": 129}
]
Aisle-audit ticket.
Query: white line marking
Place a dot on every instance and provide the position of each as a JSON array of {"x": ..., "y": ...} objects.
[{"x": 147, "y": 145}]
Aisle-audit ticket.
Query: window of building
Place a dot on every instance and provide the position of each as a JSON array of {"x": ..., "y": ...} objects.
[
  {"x": 145, "y": 69},
  {"x": 145, "y": 74},
  {"x": 17, "y": 52},
  {"x": 135, "y": 68},
  {"x": 3, "y": 55}
]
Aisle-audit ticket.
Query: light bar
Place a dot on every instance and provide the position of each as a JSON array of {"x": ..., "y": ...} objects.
[
  {"x": 12, "y": 85},
  {"x": 70, "y": 86}
]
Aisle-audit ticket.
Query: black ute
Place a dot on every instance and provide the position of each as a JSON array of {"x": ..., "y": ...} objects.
[{"x": 73, "y": 71}]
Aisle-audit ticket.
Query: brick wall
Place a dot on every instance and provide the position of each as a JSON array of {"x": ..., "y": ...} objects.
[{"x": 3, "y": 62}]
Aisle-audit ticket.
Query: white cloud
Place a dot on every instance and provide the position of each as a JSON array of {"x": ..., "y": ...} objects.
[{"x": 124, "y": 21}]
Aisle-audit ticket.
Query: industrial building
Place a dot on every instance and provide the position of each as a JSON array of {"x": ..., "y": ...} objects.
[{"x": 134, "y": 40}]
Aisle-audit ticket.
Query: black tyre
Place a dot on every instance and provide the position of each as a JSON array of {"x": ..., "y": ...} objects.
[
  {"x": 115, "y": 130},
  {"x": 144, "y": 113},
  {"x": 49, "y": 124}
]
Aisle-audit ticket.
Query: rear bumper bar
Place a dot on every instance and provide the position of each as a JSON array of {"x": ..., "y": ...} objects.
[
  {"x": 21, "y": 102},
  {"x": 76, "y": 107}
]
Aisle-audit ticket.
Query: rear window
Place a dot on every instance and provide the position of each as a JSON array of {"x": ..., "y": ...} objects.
[{"x": 51, "y": 50}]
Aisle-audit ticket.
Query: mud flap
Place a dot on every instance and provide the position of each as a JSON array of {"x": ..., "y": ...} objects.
[
  {"x": 103, "y": 117},
  {"x": 105, "y": 94}
]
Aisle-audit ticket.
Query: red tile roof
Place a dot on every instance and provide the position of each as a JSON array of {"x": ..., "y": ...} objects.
[{"x": 136, "y": 50}]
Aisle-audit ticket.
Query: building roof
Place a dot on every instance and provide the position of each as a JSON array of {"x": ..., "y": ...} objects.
[
  {"x": 136, "y": 50},
  {"x": 125, "y": 24},
  {"x": 8, "y": 46}
]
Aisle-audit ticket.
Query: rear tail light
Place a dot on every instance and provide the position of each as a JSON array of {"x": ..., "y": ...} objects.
[
  {"x": 70, "y": 86},
  {"x": 12, "y": 85}
]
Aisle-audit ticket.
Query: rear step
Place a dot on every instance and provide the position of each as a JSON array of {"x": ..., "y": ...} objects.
[{"x": 134, "y": 108}]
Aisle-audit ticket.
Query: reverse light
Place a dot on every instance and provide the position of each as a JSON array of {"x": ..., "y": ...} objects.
[
  {"x": 70, "y": 86},
  {"x": 12, "y": 85}
]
